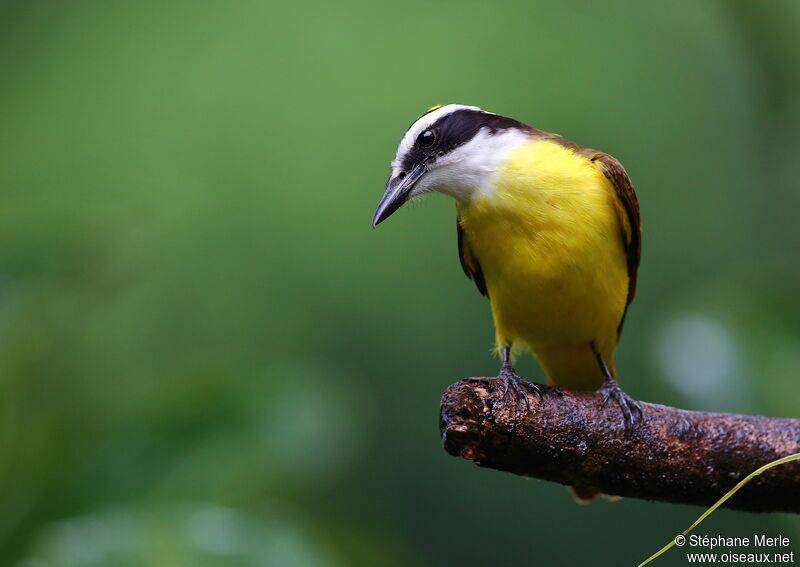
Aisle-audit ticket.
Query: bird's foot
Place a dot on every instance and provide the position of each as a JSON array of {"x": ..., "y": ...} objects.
[
  {"x": 516, "y": 390},
  {"x": 631, "y": 410}
]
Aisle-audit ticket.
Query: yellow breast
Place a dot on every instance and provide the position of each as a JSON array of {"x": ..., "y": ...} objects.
[{"x": 549, "y": 239}]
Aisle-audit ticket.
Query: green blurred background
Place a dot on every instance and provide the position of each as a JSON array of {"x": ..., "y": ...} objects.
[{"x": 208, "y": 358}]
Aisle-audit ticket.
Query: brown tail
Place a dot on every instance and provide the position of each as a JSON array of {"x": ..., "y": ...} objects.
[{"x": 585, "y": 494}]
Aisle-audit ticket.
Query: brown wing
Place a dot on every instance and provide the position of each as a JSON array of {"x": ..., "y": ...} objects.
[
  {"x": 627, "y": 196},
  {"x": 468, "y": 261}
]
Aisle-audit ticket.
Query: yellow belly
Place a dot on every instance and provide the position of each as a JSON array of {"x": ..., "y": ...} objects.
[{"x": 549, "y": 243}]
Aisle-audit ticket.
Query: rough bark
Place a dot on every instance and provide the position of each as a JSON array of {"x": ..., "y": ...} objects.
[{"x": 671, "y": 455}]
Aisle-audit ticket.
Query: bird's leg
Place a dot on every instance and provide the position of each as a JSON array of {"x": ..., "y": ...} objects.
[
  {"x": 610, "y": 389},
  {"x": 515, "y": 385}
]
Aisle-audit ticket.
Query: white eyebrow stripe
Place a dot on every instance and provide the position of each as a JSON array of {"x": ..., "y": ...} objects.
[{"x": 423, "y": 123}]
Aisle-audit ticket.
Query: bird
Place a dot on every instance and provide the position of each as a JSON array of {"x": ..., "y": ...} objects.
[{"x": 548, "y": 230}]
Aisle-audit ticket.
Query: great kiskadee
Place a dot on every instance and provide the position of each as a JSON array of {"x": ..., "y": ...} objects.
[{"x": 548, "y": 230}]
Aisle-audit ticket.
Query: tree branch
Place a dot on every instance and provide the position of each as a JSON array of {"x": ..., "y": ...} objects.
[{"x": 671, "y": 455}]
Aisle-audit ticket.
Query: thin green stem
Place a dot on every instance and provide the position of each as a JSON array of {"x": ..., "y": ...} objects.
[{"x": 718, "y": 503}]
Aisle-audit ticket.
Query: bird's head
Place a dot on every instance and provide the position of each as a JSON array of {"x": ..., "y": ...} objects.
[{"x": 452, "y": 149}]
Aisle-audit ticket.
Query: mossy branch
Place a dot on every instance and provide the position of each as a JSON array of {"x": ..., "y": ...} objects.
[{"x": 671, "y": 455}]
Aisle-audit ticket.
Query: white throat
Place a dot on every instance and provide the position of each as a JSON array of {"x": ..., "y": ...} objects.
[{"x": 471, "y": 170}]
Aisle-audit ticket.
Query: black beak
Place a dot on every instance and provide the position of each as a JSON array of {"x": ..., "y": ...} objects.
[{"x": 397, "y": 190}]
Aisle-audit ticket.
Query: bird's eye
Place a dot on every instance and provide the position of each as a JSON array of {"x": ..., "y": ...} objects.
[{"x": 426, "y": 139}]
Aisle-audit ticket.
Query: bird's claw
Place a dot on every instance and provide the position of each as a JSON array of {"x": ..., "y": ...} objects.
[
  {"x": 631, "y": 410},
  {"x": 516, "y": 390}
]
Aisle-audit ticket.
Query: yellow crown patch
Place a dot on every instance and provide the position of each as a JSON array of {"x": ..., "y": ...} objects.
[{"x": 431, "y": 109}]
